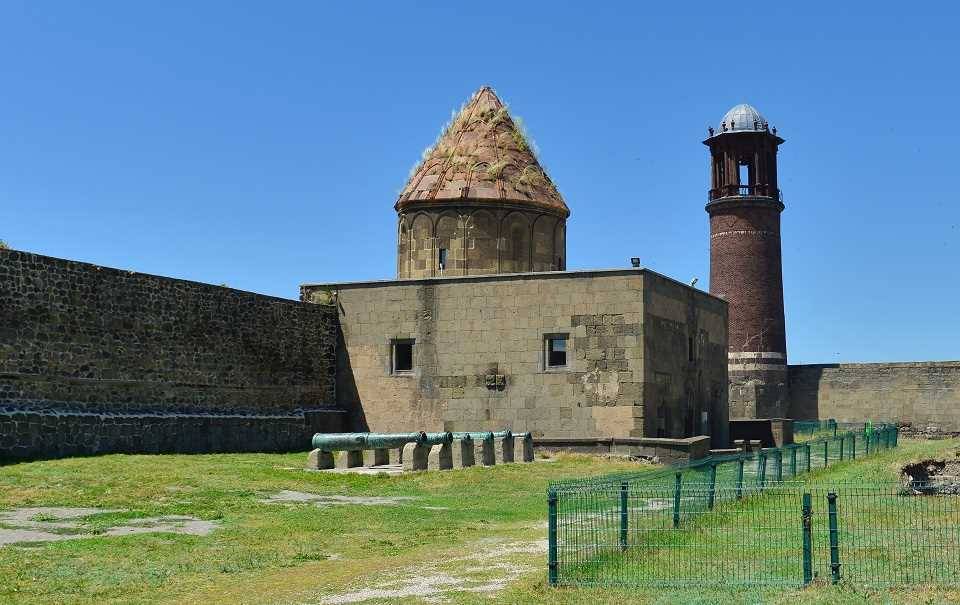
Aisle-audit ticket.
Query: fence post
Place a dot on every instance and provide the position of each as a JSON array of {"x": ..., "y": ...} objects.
[
  {"x": 779, "y": 465},
  {"x": 834, "y": 537},
  {"x": 853, "y": 445},
  {"x": 842, "y": 439},
  {"x": 713, "y": 486},
  {"x": 867, "y": 442},
  {"x": 740, "y": 464},
  {"x": 834, "y": 423},
  {"x": 896, "y": 435},
  {"x": 762, "y": 463},
  {"x": 624, "y": 516},
  {"x": 793, "y": 462},
  {"x": 826, "y": 453},
  {"x": 552, "y": 537},
  {"x": 809, "y": 467},
  {"x": 807, "y": 512},
  {"x": 676, "y": 501}
]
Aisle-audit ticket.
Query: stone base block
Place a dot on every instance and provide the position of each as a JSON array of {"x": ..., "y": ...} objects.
[
  {"x": 483, "y": 452},
  {"x": 378, "y": 457},
  {"x": 503, "y": 449},
  {"x": 318, "y": 460},
  {"x": 415, "y": 457},
  {"x": 463, "y": 455},
  {"x": 523, "y": 448},
  {"x": 350, "y": 459},
  {"x": 440, "y": 457}
]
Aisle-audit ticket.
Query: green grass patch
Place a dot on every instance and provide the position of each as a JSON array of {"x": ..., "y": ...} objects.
[{"x": 299, "y": 553}]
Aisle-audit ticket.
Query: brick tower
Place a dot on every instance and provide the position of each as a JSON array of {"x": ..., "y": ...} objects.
[
  {"x": 480, "y": 203},
  {"x": 744, "y": 205}
]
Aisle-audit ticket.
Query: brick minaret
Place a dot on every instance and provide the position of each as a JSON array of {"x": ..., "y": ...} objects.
[{"x": 744, "y": 204}]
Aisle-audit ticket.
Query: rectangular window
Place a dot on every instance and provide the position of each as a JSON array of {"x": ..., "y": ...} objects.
[
  {"x": 442, "y": 258},
  {"x": 555, "y": 352},
  {"x": 402, "y": 356}
]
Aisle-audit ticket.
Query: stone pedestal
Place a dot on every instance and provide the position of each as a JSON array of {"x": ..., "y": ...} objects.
[
  {"x": 350, "y": 459},
  {"x": 523, "y": 448},
  {"x": 378, "y": 457},
  {"x": 483, "y": 452},
  {"x": 463, "y": 454},
  {"x": 415, "y": 457},
  {"x": 318, "y": 460},
  {"x": 440, "y": 457},
  {"x": 503, "y": 449}
]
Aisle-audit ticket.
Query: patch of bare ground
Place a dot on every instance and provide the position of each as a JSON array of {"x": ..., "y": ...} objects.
[
  {"x": 54, "y": 523},
  {"x": 491, "y": 566},
  {"x": 933, "y": 477},
  {"x": 321, "y": 500}
]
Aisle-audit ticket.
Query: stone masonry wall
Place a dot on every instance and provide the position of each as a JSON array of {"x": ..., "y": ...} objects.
[
  {"x": 685, "y": 347},
  {"x": 104, "y": 358},
  {"x": 924, "y": 394},
  {"x": 480, "y": 343}
]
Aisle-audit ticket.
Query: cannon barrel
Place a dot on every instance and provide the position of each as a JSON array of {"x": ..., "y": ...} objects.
[
  {"x": 476, "y": 435},
  {"x": 438, "y": 438},
  {"x": 384, "y": 441},
  {"x": 503, "y": 434},
  {"x": 334, "y": 442}
]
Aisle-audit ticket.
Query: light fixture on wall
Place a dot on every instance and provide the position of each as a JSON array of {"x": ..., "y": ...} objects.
[{"x": 635, "y": 261}]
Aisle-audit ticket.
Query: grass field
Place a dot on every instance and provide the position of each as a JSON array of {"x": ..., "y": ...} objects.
[{"x": 470, "y": 536}]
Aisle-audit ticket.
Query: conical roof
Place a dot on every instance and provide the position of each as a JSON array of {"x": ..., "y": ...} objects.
[{"x": 482, "y": 155}]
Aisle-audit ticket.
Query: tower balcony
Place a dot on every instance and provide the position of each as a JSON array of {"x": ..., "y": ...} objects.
[{"x": 744, "y": 191}]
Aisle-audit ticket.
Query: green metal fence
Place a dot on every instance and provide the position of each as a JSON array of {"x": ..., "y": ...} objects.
[
  {"x": 806, "y": 430},
  {"x": 740, "y": 520}
]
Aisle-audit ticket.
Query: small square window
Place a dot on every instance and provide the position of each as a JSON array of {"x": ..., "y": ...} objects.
[
  {"x": 402, "y": 356},
  {"x": 555, "y": 352}
]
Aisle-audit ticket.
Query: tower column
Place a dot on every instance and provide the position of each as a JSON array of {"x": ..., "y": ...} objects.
[{"x": 745, "y": 265}]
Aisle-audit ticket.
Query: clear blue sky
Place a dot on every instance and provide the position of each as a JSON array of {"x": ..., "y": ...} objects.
[{"x": 263, "y": 144}]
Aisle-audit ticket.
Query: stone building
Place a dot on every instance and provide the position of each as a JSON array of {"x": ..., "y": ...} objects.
[
  {"x": 744, "y": 204},
  {"x": 579, "y": 354},
  {"x": 485, "y": 330},
  {"x": 480, "y": 203}
]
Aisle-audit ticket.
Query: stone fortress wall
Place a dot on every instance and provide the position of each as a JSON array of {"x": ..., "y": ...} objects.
[
  {"x": 646, "y": 355},
  {"x": 923, "y": 394},
  {"x": 94, "y": 360}
]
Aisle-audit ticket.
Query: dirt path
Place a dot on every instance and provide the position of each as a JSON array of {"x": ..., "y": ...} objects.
[{"x": 491, "y": 565}]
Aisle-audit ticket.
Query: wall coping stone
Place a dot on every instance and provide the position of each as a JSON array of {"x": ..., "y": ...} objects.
[
  {"x": 878, "y": 364},
  {"x": 583, "y": 273}
]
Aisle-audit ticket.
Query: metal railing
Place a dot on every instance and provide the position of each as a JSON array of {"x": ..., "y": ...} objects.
[
  {"x": 744, "y": 191},
  {"x": 737, "y": 520}
]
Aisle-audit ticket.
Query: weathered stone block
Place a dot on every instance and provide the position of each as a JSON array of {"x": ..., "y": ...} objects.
[
  {"x": 320, "y": 460},
  {"x": 523, "y": 447},
  {"x": 349, "y": 459},
  {"x": 463, "y": 453},
  {"x": 415, "y": 457},
  {"x": 440, "y": 457},
  {"x": 503, "y": 449},
  {"x": 484, "y": 452}
]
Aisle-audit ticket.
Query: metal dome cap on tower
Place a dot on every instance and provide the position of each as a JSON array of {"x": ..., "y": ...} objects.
[{"x": 742, "y": 117}]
